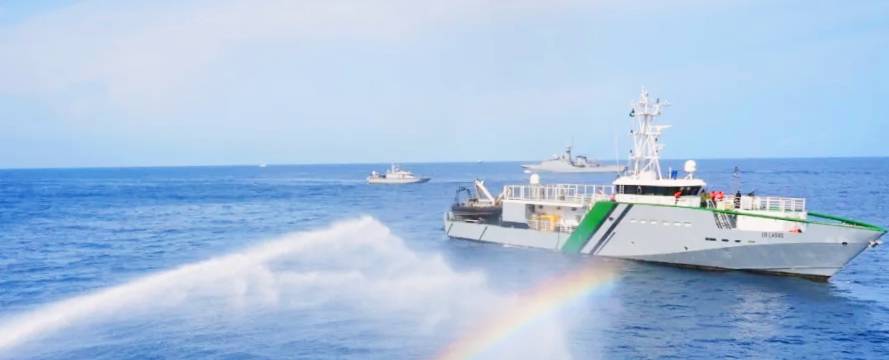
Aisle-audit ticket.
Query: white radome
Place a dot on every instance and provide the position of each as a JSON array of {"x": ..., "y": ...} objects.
[{"x": 691, "y": 166}]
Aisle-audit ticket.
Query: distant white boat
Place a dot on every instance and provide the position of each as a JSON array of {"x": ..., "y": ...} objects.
[
  {"x": 395, "y": 175},
  {"x": 263, "y": 165},
  {"x": 567, "y": 163}
]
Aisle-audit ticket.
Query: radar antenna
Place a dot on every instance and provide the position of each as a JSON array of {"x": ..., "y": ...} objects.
[{"x": 645, "y": 157}]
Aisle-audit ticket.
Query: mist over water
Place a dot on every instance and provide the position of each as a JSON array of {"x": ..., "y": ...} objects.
[{"x": 356, "y": 266}]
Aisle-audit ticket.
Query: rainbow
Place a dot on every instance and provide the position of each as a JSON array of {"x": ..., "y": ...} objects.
[{"x": 540, "y": 301}]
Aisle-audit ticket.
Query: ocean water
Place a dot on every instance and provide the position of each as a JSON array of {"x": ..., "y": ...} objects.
[{"x": 310, "y": 262}]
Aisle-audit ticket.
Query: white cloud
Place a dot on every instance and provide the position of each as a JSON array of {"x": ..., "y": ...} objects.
[{"x": 142, "y": 57}]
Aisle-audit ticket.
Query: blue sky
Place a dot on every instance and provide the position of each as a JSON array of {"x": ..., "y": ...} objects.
[{"x": 104, "y": 83}]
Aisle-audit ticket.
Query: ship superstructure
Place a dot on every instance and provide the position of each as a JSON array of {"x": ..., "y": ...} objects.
[{"x": 649, "y": 216}]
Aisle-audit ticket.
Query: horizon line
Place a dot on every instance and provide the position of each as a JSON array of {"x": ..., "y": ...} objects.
[{"x": 402, "y": 162}]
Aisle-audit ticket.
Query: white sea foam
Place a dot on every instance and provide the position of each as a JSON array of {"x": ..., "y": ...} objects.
[{"x": 356, "y": 263}]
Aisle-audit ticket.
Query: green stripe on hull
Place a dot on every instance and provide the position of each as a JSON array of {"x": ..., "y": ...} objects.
[
  {"x": 847, "y": 221},
  {"x": 588, "y": 226}
]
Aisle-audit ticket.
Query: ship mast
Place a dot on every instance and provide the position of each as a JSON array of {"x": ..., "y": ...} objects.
[{"x": 645, "y": 156}]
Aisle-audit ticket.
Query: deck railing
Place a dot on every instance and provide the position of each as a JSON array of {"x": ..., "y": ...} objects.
[
  {"x": 580, "y": 194},
  {"x": 765, "y": 203},
  {"x": 561, "y": 193},
  {"x": 781, "y": 204}
]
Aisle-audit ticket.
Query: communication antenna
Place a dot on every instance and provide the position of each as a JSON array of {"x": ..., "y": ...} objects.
[
  {"x": 646, "y": 135},
  {"x": 736, "y": 178},
  {"x": 614, "y": 140}
]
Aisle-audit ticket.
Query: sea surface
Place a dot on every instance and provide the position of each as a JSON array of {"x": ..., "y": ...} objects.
[{"x": 290, "y": 261}]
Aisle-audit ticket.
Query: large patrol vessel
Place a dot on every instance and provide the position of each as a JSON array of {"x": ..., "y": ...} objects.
[
  {"x": 568, "y": 163},
  {"x": 645, "y": 215}
]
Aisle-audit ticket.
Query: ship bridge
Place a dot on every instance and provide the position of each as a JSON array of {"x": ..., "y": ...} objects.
[{"x": 642, "y": 183}]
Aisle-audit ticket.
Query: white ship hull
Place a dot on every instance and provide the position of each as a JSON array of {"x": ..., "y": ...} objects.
[
  {"x": 397, "y": 181},
  {"x": 395, "y": 176},
  {"x": 695, "y": 237}
]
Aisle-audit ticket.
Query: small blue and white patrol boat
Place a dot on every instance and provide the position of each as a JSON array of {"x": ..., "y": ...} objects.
[{"x": 395, "y": 175}]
